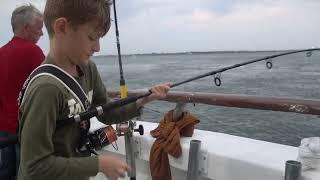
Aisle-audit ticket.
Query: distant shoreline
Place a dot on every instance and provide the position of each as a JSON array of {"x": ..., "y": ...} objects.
[{"x": 194, "y": 52}]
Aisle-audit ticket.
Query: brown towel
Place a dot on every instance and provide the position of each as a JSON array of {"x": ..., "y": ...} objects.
[{"x": 167, "y": 141}]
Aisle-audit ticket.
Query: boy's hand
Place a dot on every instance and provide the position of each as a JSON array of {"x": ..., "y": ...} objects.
[
  {"x": 112, "y": 167},
  {"x": 159, "y": 91}
]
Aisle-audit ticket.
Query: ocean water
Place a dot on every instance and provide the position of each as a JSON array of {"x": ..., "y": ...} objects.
[{"x": 294, "y": 76}]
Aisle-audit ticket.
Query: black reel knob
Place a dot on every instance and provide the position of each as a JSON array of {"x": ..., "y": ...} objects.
[{"x": 140, "y": 130}]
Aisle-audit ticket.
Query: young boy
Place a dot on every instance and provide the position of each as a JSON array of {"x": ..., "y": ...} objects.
[{"x": 47, "y": 152}]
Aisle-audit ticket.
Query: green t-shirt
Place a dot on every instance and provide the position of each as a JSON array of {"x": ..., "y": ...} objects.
[{"x": 50, "y": 153}]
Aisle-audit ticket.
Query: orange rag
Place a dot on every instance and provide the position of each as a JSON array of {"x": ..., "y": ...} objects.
[{"x": 167, "y": 141}]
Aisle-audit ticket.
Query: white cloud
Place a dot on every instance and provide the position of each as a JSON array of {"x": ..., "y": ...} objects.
[{"x": 189, "y": 25}]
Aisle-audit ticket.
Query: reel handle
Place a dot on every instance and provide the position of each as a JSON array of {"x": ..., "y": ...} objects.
[{"x": 140, "y": 130}]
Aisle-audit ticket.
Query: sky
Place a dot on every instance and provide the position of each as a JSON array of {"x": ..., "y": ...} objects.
[{"x": 158, "y": 26}]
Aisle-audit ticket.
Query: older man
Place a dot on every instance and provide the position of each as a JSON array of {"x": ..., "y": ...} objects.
[{"x": 17, "y": 60}]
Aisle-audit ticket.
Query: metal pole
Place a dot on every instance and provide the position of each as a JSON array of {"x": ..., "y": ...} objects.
[
  {"x": 292, "y": 170},
  {"x": 193, "y": 163},
  {"x": 130, "y": 158},
  {"x": 178, "y": 110}
]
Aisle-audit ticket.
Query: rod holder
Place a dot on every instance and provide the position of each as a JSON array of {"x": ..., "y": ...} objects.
[
  {"x": 130, "y": 156},
  {"x": 178, "y": 110},
  {"x": 292, "y": 170},
  {"x": 193, "y": 163}
]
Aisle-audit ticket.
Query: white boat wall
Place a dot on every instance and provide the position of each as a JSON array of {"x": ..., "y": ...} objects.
[{"x": 223, "y": 156}]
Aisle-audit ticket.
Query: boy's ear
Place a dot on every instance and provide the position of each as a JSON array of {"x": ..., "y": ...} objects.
[{"x": 60, "y": 27}]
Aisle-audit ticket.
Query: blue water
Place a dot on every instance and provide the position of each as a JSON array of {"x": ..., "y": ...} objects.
[{"x": 292, "y": 76}]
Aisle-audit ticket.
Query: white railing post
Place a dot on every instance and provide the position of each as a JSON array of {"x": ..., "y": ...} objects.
[{"x": 193, "y": 163}]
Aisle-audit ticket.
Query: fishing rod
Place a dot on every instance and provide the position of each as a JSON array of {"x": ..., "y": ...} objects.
[
  {"x": 121, "y": 102},
  {"x": 99, "y": 110},
  {"x": 269, "y": 65},
  {"x": 130, "y": 157},
  {"x": 123, "y": 90}
]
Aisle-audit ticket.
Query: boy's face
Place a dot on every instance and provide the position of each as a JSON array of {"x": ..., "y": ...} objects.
[{"x": 81, "y": 43}]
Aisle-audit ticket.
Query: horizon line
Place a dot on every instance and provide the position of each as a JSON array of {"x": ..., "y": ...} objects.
[{"x": 194, "y": 52}]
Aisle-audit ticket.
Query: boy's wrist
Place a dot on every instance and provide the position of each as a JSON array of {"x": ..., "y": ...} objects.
[
  {"x": 99, "y": 163},
  {"x": 141, "y": 102}
]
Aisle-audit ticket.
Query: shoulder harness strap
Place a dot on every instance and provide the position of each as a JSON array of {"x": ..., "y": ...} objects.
[
  {"x": 63, "y": 77},
  {"x": 71, "y": 84}
]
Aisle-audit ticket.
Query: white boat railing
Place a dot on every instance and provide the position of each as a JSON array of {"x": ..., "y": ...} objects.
[
  {"x": 243, "y": 158},
  {"x": 284, "y": 104}
]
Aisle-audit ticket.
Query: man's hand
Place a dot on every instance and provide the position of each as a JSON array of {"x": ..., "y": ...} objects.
[
  {"x": 112, "y": 167},
  {"x": 159, "y": 91}
]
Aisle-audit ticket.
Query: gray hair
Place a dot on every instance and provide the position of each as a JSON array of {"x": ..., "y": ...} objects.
[{"x": 23, "y": 15}]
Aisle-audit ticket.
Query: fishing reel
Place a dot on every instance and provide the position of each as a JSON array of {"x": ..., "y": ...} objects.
[
  {"x": 128, "y": 128},
  {"x": 103, "y": 137},
  {"x": 100, "y": 135}
]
